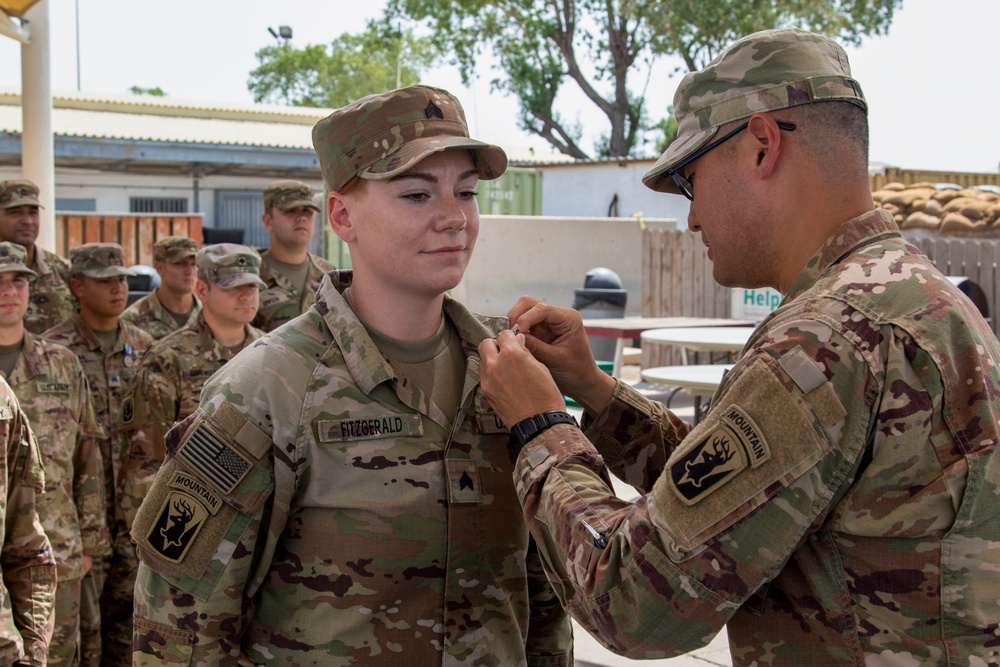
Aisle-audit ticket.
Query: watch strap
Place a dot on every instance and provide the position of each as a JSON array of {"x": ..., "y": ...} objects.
[{"x": 526, "y": 430}]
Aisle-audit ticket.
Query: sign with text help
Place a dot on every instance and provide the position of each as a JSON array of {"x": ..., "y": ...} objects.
[{"x": 753, "y": 304}]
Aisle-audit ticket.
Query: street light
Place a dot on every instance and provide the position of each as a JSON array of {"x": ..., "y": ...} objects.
[{"x": 284, "y": 32}]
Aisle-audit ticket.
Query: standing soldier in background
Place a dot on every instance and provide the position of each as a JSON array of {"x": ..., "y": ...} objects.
[
  {"x": 28, "y": 586},
  {"x": 170, "y": 378},
  {"x": 172, "y": 305},
  {"x": 54, "y": 394},
  {"x": 51, "y": 300},
  {"x": 291, "y": 272},
  {"x": 109, "y": 351}
]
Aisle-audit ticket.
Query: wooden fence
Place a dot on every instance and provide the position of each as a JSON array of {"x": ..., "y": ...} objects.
[
  {"x": 135, "y": 233},
  {"x": 911, "y": 176},
  {"x": 677, "y": 277}
]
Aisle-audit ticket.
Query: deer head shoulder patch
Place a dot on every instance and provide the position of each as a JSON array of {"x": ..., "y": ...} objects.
[
  {"x": 713, "y": 461},
  {"x": 178, "y": 523}
]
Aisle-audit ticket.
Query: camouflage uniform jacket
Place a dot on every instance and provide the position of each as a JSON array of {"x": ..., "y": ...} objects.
[
  {"x": 51, "y": 299},
  {"x": 29, "y": 568},
  {"x": 353, "y": 526},
  {"x": 150, "y": 315},
  {"x": 280, "y": 301},
  {"x": 838, "y": 504},
  {"x": 110, "y": 375},
  {"x": 54, "y": 394},
  {"x": 168, "y": 389}
]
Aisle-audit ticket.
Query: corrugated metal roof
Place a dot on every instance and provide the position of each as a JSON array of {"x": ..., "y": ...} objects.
[
  {"x": 570, "y": 162},
  {"x": 158, "y": 119}
]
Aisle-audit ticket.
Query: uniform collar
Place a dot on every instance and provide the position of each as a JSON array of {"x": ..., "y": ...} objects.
[{"x": 866, "y": 228}]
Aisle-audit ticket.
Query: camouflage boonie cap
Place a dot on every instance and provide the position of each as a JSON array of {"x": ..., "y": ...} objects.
[
  {"x": 765, "y": 71},
  {"x": 286, "y": 195},
  {"x": 381, "y": 136},
  {"x": 229, "y": 265},
  {"x": 98, "y": 260},
  {"x": 172, "y": 249},
  {"x": 14, "y": 257},
  {"x": 18, "y": 192}
]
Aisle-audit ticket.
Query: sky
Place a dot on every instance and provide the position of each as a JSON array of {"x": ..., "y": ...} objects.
[{"x": 932, "y": 83}]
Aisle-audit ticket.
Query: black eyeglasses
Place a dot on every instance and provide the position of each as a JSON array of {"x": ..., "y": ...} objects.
[{"x": 684, "y": 183}]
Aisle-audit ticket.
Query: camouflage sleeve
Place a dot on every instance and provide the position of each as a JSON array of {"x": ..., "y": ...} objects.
[
  {"x": 27, "y": 562},
  {"x": 662, "y": 576},
  {"x": 635, "y": 449},
  {"x": 550, "y": 632},
  {"x": 88, "y": 478},
  {"x": 204, "y": 546},
  {"x": 154, "y": 402}
]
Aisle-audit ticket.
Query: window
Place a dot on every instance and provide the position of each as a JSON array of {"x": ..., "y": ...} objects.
[
  {"x": 158, "y": 204},
  {"x": 81, "y": 205}
]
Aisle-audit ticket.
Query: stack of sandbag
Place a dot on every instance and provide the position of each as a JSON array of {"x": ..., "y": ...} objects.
[{"x": 943, "y": 209}]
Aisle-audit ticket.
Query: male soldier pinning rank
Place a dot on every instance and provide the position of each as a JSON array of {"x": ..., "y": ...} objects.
[
  {"x": 342, "y": 495},
  {"x": 839, "y": 503},
  {"x": 28, "y": 585},
  {"x": 173, "y": 304},
  {"x": 51, "y": 299},
  {"x": 109, "y": 349},
  {"x": 291, "y": 272},
  {"x": 54, "y": 394},
  {"x": 172, "y": 373}
]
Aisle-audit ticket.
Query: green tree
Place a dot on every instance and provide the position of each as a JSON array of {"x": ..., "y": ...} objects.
[
  {"x": 597, "y": 45},
  {"x": 333, "y": 75},
  {"x": 155, "y": 92},
  {"x": 668, "y": 126}
]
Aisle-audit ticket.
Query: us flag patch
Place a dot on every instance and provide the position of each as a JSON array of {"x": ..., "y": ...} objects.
[{"x": 218, "y": 463}]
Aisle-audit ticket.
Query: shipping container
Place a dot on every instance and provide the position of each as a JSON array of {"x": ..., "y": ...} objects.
[{"x": 517, "y": 192}]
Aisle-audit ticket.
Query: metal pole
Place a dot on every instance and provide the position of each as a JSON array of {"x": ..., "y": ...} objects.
[
  {"x": 37, "y": 146},
  {"x": 77, "y": 45}
]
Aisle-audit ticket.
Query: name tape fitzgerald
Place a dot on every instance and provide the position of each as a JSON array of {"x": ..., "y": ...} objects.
[{"x": 369, "y": 428}]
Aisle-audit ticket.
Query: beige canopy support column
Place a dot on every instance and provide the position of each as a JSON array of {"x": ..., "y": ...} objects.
[{"x": 37, "y": 147}]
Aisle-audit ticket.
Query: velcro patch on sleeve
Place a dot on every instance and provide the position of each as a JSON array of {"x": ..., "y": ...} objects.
[
  {"x": 245, "y": 432},
  {"x": 760, "y": 436},
  {"x": 133, "y": 412},
  {"x": 182, "y": 523},
  {"x": 369, "y": 428}
]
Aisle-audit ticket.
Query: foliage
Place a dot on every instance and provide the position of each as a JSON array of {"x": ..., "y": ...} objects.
[
  {"x": 155, "y": 92},
  {"x": 668, "y": 126},
  {"x": 333, "y": 75},
  {"x": 597, "y": 45}
]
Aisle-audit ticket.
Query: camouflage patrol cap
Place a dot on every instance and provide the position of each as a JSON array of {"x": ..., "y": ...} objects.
[
  {"x": 18, "y": 192},
  {"x": 173, "y": 249},
  {"x": 14, "y": 257},
  {"x": 765, "y": 71},
  {"x": 289, "y": 194},
  {"x": 381, "y": 136},
  {"x": 98, "y": 260},
  {"x": 229, "y": 265}
]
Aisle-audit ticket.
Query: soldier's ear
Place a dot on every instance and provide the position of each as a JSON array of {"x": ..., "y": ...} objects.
[
  {"x": 339, "y": 212},
  {"x": 76, "y": 286}
]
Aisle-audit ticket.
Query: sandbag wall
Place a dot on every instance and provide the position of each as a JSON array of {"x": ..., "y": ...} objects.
[{"x": 942, "y": 209}]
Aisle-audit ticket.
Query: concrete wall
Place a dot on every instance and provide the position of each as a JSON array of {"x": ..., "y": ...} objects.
[
  {"x": 586, "y": 189},
  {"x": 549, "y": 257}
]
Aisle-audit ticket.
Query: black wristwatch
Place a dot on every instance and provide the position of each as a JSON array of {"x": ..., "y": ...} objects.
[{"x": 525, "y": 430}]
